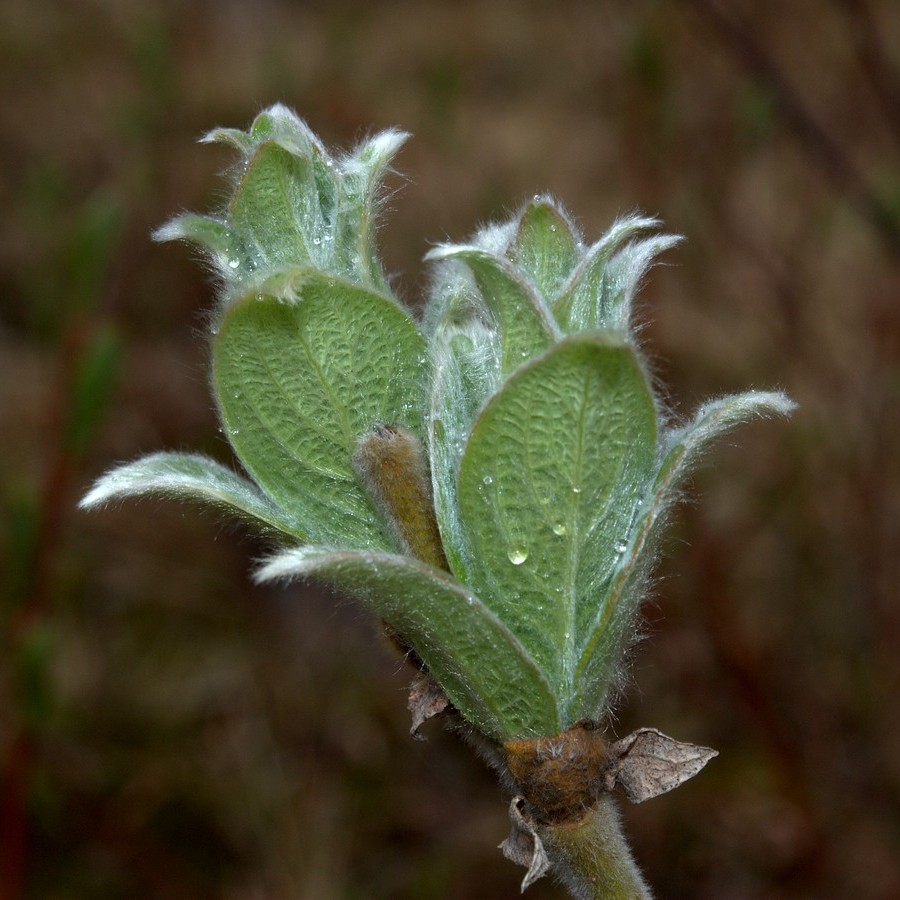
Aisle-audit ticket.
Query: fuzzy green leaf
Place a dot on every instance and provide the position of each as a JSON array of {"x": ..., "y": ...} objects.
[
  {"x": 545, "y": 246},
  {"x": 276, "y": 208},
  {"x": 465, "y": 372},
  {"x": 240, "y": 140},
  {"x": 224, "y": 247},
  {"x": 547, "y": 490},
  {"x": 685, "y": 445},
  {"x": 614, "y": 619},
  {"x": 299, "y": 378},
  {"x": 524, "y": 324},
  {"x": 484, "y": 670},
  {"x": 282, "y": 125},
  {"x": 600, "y": 290},
  {"x": 357, "y": 207},
  {"x": 294, "y": 205},
  {"x": 191, "y": 476},
  {"x": 465, "y": 375}
]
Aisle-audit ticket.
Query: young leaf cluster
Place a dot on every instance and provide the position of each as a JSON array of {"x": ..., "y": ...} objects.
[{"x": 550, "y": 462}]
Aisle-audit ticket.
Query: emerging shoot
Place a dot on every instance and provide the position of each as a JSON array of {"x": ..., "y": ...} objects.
[{"x": 492, "y": 483}]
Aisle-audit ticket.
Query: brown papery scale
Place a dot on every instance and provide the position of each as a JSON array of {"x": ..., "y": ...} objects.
[{"x": 560, "y": 777}]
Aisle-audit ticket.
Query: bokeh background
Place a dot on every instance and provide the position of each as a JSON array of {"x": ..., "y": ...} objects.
[{"x": 168, "y": 730}]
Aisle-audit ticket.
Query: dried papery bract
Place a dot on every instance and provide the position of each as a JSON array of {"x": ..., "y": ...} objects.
[{"x": 492, "y": 483}]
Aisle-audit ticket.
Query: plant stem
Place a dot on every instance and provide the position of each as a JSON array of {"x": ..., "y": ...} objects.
[{"x": 592, "y": 858}]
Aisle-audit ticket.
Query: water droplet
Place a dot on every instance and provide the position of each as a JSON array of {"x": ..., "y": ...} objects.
[
  {"x": 233, "y": 263},
  {"x": 559, "y": 529},
  {"x": 328, "y": 236},
  {"x": 576, "y": 488},
  {"x": 470, "y": 600},
  {"x": 620, "y": 547},
  {"x": 553, "y": 228},
  {"x": 214, "y": 330},
  {"x": 329, "y": 163},
  {"x": 234, "y": 431},
  {"x": 567, "y": 635},
  {"x": 517, "y": 555},
  {"x": 487, "y": 479},
  {"x": 536, "y": 198},
  {"x": 317, "y": 241}
]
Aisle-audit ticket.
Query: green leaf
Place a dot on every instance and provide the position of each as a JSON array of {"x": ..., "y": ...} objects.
[
  {"x": 212, "y": 235},
  {"x": 545, "y": 246},
  {"x": 190, "y": 476},
  {"x": 294, "y": 205},
  {"x": 276, "y": 209},
  {"x": 238, "y": 139},
  {"x": 685, "y": 445},
  {"x": 601, "y": 288},
  {"x": 299, "y": 378},
  {"x": 524, "y": 324},
  {"x": 464, "y": 376},
  {"x": 465, "y": 372},
  {"x": 484, "y": 670},
  {"x": 357, "y": 207},
  {"x": 614, "y": 619},
  {"x": 548, "y": 486},
  {"x": 278, "y": 124},
  {"x": 285, "y": 127}
]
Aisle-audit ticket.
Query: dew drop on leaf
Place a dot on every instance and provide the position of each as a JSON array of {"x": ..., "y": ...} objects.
[
  {"x": 559, "y": 529},
  {"x": 517, "y": 555}
]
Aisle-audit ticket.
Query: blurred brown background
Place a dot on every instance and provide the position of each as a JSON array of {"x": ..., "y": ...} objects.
[{"x": 170, "y": 731}]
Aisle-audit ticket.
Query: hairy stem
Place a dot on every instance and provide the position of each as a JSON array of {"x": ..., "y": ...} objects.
[{"x": 592, "y": 858}]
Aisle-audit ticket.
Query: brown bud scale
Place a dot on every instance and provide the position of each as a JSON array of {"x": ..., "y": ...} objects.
[{"x": 560, "y": 777}]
